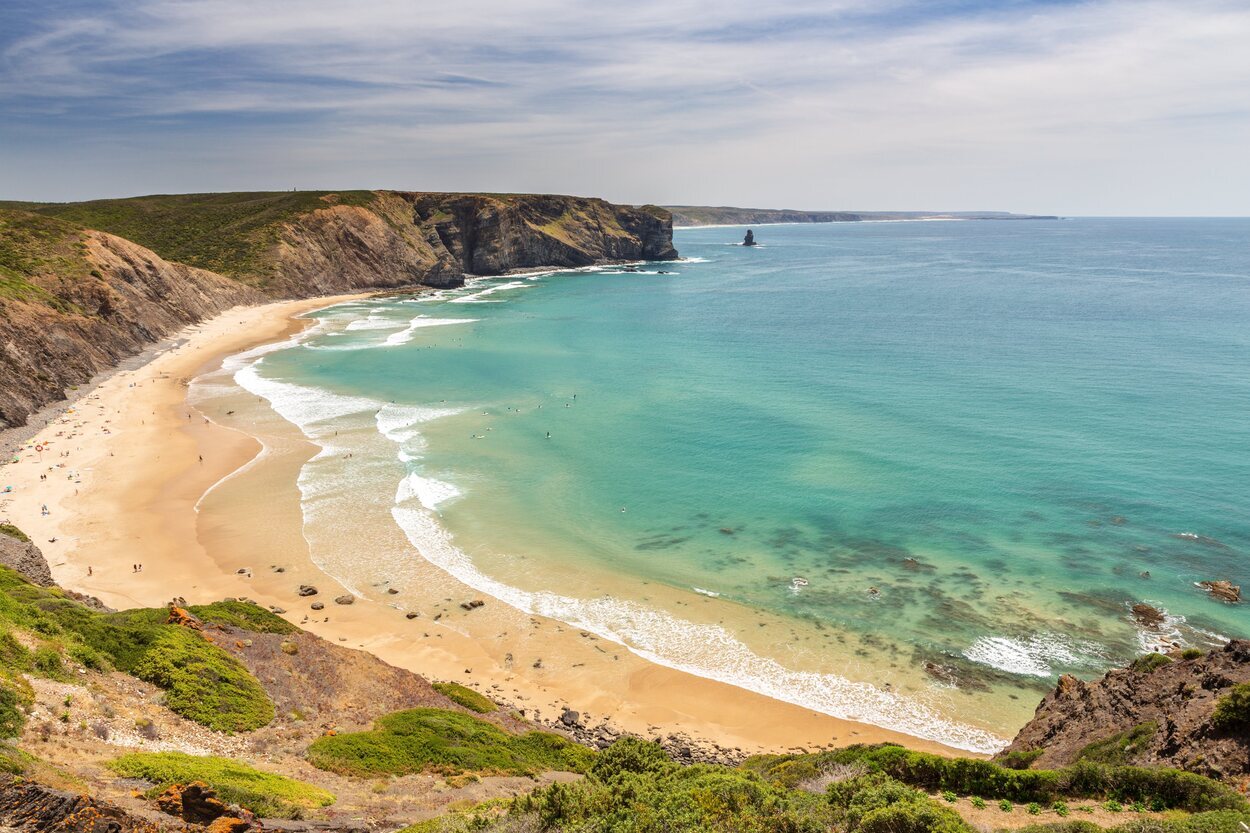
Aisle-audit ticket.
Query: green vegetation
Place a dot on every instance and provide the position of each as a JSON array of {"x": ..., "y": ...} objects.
[
  {"x": 226, "y": 233},
  {"x": 447, "y": 742},
  {"x": 1192, "y": 653},
  {"x": 33, "y": 247},
  {"x": 202, "y": 682},
  {"x": 1019, "y": 759},
  {"x": 1086, "y": 779},
  {"x": 466, "y": 697},
  {"x": 13, "y": 532},
  {"x": 244, "y": 616},
  {"x": 263, "y": 793},
  {"x": 1149, "y": 662},
  {"x": 1119, "y": 748},
  {"x": 1214, "y": 822},
  {"x": 634, "y": 787},
  {"x": 1232, "y": 711},
  {"x": 207, "y": 686}
]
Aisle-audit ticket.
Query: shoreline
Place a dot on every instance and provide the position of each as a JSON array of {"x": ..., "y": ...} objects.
[{"x": 142, "y": 494}]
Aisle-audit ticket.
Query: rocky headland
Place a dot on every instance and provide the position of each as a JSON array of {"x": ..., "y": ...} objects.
[{"x": 85, "y": 285}]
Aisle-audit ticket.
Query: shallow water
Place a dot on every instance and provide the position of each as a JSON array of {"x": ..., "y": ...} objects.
[{"x": 970, "y": 439}]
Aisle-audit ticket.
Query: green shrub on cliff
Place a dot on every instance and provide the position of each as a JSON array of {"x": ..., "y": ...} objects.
[
  {"x": 967, "y": 776},
  {"x": 13, "y": 532},
  {"x": 1149, "y": 662},
  {"x": 1232, "y": 711},
  {"x": 243, "y": 615},
  {"x": 466, "y": 697},
  {"x": 635, "y": 788},
  {"x": 264, "y": 793},
  {"x": 202, "y": 682},
  {"x": 447, "y": 742},
  {"x": 1120, "y": 747}
]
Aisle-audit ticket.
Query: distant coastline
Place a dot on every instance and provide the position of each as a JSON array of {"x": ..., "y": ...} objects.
[{"x": 694, "y": 216}]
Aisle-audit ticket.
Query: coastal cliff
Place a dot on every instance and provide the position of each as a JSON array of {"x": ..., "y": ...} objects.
[
  {"x": 85, "y": 285},
  {"x": 1160, "y": 711}
]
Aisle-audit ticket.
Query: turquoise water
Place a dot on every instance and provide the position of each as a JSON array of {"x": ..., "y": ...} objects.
[{"x": 979, "y": 443}]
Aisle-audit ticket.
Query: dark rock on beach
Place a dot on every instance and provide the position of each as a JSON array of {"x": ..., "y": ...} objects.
[{"x": 345, "y": 599}]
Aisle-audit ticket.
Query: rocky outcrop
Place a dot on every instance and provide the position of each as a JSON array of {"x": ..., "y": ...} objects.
[
  {"x": 1166, "y": 709},
  {"x": 25, "y": 558},
  {"x": 29, "y": 806}
]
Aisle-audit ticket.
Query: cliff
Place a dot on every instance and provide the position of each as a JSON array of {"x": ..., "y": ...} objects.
[
  {"x": 1160, "y": 711},
  {"x": 704, "y": 215},
  {"x": 84, "y": 285}
]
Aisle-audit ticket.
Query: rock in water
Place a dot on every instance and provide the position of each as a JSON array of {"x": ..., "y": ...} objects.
[
  {"x": 1225, "y": 591},
  {"x": 749, "y": 240},
  {"x": 1148, "y": 616}
]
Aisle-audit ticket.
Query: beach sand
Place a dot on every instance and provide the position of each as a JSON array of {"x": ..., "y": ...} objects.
[{"x": 135, "y": 475}]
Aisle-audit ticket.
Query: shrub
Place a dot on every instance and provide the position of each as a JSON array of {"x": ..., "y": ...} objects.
[
  {"x": 880, "y": 804},
  {"x": 1149, "y": 662},
  {"x": 13, "y": 532},
  {"x": 437, "y": 740},
  {"x": 244, "y": 616},
  {"x": 466, "y": 697},
  {"x": 1232, "y": 711},
  {"x": 1018, "y": 758},
  {"x": 1120, "y": 747},
  {"x": 263, "y": 793},
  {"x": 1113, "y": 806},
  {"x": 950, "y": 796},
  {"x": 1192, "y": 653},
  {"x": 1034, "y": 809},
  {"x": 47, "y": 662},
  {"x": 978, "y": 802},
  {"x": 12, "y": 699},
  {"x": 1005, "y": 806},
  {"x": 203, "y": 683},
  {"x": 1085, "y": 779},
  {"x": 1060, "y": 808}
]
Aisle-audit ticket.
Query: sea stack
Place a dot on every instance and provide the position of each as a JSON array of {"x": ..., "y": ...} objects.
[{"x": 749, "y": 240}]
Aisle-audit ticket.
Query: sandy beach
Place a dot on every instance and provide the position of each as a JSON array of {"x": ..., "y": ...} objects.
[{"x": 133, "y": 474}]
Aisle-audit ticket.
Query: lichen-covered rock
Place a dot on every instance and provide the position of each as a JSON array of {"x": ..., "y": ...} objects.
[{"x": 195, "y": 802}]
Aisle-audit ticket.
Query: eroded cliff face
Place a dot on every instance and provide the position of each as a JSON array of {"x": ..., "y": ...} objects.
[
  {"x": 1152, "y": 716},
  {"x": 127, "y": 298},
  {"x": 93, "y": 299}
]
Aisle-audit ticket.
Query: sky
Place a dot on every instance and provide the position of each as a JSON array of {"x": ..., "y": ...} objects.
[{"x": 1105, "y": 107}]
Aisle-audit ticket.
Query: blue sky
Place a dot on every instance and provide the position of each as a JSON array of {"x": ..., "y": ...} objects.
[{"x": 1060, "y": 107}]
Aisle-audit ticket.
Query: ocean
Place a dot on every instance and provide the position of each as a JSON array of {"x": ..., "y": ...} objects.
[{"x": 903, "y": 472}]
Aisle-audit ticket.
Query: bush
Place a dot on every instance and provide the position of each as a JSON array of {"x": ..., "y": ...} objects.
[
  {"x": 1232, "y": 711},
  {"x": 466, "y": 697},
  {"x": 635, "y": 788},
  {"x": 1149, "y": 662},
  {"x": 978, "y": 802},
  {"x": 263, "y": 793},
  {"x": 47, "y": 663},
  {"x": 1034, "y": 809},
  {"x": 447, "y": 742},
  {"x": 950, "y": 796},
  {"x": 13, "y": 532},
  {"x": 1192, "y": 653},
  {"x": 12, "y": 701},
  {"x": 1005, "y": 806},
  {"x": 203, "y": 683},
  {"x": 1018, "y": 759},
  {"x": 244, "y": 616},
  {"x": 966, "y": 776},
  {"x": 880, "y": 804},
  {"x": 1120, "y": 747}
]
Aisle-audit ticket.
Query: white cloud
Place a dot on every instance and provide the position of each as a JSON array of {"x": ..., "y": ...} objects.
[{"x": 1073, "y": 108}]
